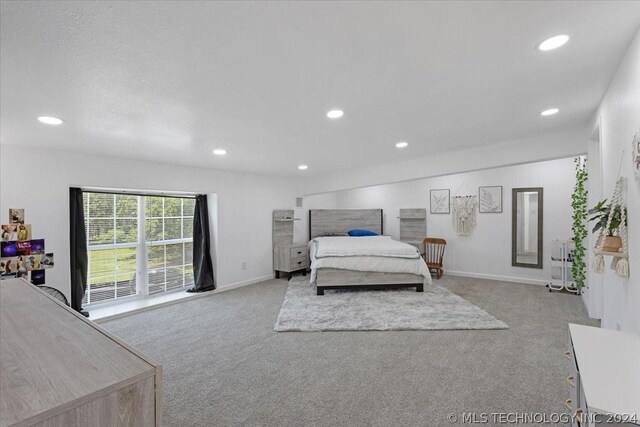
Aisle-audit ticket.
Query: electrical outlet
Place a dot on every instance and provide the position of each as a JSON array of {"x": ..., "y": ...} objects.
[{"x": 244, "y": 265}]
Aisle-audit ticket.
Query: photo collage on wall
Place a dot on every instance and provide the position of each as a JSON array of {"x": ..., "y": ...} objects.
[{"x": 20, "y": 254}]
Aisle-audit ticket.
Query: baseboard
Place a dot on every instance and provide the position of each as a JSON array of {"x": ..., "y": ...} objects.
[
  {"x": 243, "y": 283},
  {"x": 498, "y": 277}
]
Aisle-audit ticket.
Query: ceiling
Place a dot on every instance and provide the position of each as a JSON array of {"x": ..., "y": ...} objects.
[{"x": 171, "y": 81}]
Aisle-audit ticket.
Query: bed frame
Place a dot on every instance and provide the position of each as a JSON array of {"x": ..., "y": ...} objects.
[{"x": 323, "y": 222}]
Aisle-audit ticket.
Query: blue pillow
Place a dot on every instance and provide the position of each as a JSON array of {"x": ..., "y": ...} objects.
[{"x": 360, "y": 233}]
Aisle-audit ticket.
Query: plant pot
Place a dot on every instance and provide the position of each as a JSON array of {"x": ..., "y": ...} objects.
[{"x": 612, "y": 244}]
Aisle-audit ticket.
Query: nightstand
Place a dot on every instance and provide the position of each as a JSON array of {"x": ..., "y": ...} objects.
[{"x": 288, "y": 258}]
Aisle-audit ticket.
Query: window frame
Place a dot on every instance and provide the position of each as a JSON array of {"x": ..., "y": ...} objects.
[{"x": 141, "y": 274}]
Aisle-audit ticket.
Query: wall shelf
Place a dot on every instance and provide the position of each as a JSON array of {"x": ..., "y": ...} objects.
[{"x": 613, "y": 254}]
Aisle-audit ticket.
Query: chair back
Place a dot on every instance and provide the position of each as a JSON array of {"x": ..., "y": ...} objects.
[{"x": 434, "y": 250}]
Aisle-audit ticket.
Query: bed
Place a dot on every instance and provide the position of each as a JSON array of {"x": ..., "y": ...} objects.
[{"x": 341, "y": 262}]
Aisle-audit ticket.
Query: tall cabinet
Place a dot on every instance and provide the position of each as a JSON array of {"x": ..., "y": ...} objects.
[
  {"x": 288, "y": 257},
  {"x": 413, "y": 226}
]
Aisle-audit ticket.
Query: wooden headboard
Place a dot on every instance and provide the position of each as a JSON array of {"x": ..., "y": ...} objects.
[{"x": 339, "y": 221}]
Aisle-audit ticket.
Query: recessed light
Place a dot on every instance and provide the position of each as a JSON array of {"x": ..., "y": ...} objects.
[
  {"x": 335, "y": 114},
  {"x": 402, "y": 144},
  {"x": 549, "y": 112},
  {"x": 303, "y": 167},
  {"x": 553, "y": 42},
  {"x": 219, "y": 152},
  {"x": 48, "y": 120}
]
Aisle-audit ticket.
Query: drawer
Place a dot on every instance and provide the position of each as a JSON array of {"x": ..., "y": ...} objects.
[
  {"x": 299, "y": 262},
  {"x": 298, "y": 252},
  {"x": 572, "y": 383},
  {"x": 572, "y": 380}
]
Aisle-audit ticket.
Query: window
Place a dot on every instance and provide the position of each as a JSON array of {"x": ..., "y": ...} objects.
[
  {"x": 169, "y": 235},
  {"x": 137, "y": 245}
]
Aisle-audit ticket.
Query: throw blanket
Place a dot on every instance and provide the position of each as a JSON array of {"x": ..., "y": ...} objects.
[{"x": 376, "y": 246}]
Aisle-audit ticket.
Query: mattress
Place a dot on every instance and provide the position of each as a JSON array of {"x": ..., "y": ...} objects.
[{"x": 366, "y": 254}]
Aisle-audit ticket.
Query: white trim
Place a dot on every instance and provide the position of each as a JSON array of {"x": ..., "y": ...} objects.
[
  {"x": 498, "y": 277},
  {"x": 170, "y": 241},
  {"x": 145, "y": 304},
  {"x": 136, "y": 192},
  {"x": 243, "y": 283},
  {"x": 107, "y": 246}
]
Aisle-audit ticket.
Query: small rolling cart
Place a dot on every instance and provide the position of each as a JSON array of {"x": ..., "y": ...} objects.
[{"x": 561, "y": 262}]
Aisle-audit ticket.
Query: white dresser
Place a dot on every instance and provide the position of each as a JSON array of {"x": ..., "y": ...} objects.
[{"x": 604, "y": 376}]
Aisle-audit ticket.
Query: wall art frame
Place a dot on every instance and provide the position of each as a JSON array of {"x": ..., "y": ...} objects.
[
  {"x": 440, "y": 201},
  {"x": 490, "y": 199}
]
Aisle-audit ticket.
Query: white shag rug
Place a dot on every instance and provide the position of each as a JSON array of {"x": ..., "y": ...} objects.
[{"x": 378, "y": 310}]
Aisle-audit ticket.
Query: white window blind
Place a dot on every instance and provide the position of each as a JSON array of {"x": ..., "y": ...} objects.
[
  {"x": 117, "y": 241},
  {"x": 169, "y": 236}
]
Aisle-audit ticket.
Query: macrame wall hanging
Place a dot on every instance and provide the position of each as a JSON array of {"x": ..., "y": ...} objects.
[
  {"x": 464, "y": 214},
  {"x": 620, "y": 263}
]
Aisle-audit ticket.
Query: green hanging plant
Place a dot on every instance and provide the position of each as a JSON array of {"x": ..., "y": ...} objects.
[
  {"x": 579, "y": 228},
  {"x": 600, "y": 214}
]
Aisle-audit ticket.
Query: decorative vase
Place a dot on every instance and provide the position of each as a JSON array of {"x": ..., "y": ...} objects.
[{"x": 612, "y": 244}]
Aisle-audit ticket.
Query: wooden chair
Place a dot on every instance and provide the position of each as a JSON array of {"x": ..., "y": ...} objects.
[{"x": 433, "y": 254}]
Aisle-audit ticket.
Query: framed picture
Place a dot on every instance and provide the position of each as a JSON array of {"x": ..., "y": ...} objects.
[
  {"x": 440, "y": 202},
  {"x": 490, "y": 199},
  {"x": 16, "y": 216}
]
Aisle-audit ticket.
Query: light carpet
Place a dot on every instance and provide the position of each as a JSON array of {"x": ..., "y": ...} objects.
[
  {"x": 378, "y": 310},
  {"x": 223, "y": 364}
]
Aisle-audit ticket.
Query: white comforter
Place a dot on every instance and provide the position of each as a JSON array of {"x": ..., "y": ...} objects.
[
  {"x": 380, "y": 246},
  {"x": 380, "y": 254}
]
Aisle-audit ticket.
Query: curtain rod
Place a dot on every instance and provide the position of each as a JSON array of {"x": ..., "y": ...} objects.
[{"x": 181, "y": 194}]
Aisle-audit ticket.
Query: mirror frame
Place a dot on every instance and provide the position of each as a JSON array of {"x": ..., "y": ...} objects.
[{"x": 514, "y": 230}]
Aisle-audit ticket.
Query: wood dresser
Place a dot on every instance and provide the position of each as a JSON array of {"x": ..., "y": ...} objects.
[{"x": 59, "y": 369}]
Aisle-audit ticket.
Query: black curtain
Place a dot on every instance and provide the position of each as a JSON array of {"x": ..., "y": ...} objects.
[
  {"x": 78, "y": 244},
  {"x": 202, "y": 265}
]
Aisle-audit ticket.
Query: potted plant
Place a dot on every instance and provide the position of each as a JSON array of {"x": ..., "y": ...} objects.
[{"x": 600, "y": 212}]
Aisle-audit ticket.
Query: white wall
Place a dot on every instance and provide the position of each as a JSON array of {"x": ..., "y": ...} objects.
[
  {"x": 320, "y": 201},
  {"x": 39, "y": 180},
  {"x": 541, "y": 148},
  {"x": 618, "y": 118},
  {"x": 592, "y": 294},
  {"x": 486, "y": 253}
]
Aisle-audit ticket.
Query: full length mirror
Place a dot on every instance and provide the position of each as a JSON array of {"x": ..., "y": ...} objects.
[{"x": 526, "y": 233}]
